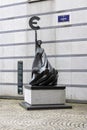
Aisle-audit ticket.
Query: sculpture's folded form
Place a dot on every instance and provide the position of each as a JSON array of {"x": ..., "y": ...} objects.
[{"x": 42, "y": 72}]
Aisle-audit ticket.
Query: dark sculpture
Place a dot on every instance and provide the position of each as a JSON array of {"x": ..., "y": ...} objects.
[{"x": 42, "y": 72}]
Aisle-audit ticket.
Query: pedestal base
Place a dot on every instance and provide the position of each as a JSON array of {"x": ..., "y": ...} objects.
[
  {"x": 47, "y": 106},
  {"x": 44, "y": 97}
]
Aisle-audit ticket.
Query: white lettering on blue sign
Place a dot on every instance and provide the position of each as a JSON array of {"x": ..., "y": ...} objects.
[{"x": 63, "y": 18}]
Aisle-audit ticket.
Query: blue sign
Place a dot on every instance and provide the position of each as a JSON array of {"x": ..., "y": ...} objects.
[{"x": 63, "y": 18}]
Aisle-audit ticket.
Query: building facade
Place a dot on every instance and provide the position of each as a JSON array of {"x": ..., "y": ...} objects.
[{"x": 64, "y": 35}]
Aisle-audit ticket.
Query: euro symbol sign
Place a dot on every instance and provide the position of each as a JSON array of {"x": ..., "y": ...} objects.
[{"x": 33, "y": 22}]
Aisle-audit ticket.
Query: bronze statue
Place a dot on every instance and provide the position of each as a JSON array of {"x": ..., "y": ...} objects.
[{"x": 42, "y": 72}]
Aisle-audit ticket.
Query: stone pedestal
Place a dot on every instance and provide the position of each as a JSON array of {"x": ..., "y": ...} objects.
[{"x": 43, "y": 97}]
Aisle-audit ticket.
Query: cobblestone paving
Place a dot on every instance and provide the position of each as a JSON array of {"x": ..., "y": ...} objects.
[{"x": 14, "y": 117}]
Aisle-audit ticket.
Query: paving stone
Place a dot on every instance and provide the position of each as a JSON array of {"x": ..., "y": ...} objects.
[{"x": 14, "y": 117}]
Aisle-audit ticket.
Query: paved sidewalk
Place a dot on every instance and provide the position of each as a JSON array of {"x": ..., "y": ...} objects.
[{"x": 14, "y": 117}]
